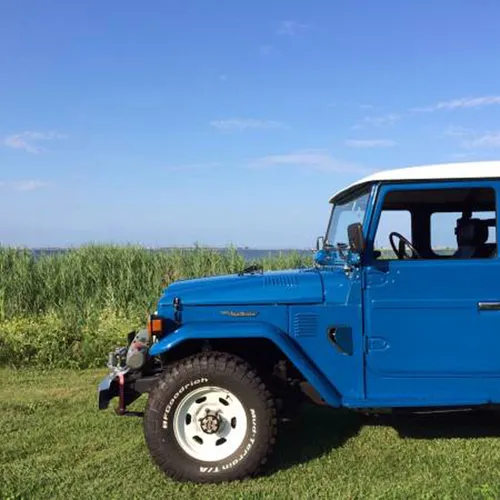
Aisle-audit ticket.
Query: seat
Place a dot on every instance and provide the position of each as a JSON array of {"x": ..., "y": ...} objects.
[{"x": 472, "y": 235}]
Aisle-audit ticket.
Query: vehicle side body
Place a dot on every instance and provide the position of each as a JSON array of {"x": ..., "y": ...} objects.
[
  {"x": 375, "y": 334},
  {"x": 420, "y": 329}
]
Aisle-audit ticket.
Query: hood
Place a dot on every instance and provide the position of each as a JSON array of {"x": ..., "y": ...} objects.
[{"x": 282, "y": 287}]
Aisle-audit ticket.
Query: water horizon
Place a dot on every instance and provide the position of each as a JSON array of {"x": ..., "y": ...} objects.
[{"x": 247, "y": 252}]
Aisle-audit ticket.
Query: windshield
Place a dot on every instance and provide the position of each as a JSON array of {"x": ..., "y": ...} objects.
[{"x": 350, "y": 210}]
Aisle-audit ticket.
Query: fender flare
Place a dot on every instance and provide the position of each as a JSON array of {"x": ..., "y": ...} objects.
[{"x": 221, "y": 330}]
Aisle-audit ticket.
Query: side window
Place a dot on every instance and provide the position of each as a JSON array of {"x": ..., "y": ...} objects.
[
  {"x": 446, "y": 232},
  {"x": 391, "y": 220},
  {"x": 443, "y": 239},
  {"x": 456, "y": 223}
]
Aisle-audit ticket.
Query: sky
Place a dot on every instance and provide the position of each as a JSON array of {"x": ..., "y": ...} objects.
[{"x": 171, "y": 122}]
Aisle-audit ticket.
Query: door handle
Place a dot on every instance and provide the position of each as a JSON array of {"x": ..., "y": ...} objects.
[{"x": 489, "y": 306}]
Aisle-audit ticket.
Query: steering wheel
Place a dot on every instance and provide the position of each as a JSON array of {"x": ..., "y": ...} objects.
[{"x": 403, "y": 244}]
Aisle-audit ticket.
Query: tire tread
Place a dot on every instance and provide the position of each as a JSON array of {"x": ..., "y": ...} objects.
[{"x": 197, "y": 365}]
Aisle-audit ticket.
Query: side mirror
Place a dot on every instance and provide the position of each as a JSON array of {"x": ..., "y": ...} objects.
[
  {"x": 320, "y": 242},
  {"x": 356, "y": 238}
]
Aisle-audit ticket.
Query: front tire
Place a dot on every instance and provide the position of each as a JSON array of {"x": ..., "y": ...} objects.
[{"x": 210, "y": 419}]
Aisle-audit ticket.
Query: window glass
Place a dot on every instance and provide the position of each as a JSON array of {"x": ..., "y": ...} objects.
[
  {"x": 344, "y": 214},
  {"x": 443, "y": 227},
  {"x": 391, "y": 220},
  {"x": 458, "y": 223}
]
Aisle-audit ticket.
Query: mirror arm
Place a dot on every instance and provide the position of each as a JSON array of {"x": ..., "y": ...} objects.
[{"x": 320, "y": 242}]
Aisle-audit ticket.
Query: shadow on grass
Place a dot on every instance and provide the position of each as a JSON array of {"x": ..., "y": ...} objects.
[
  {"x": 314, "y": 432},
  {"x": 318, "y": 430},
  {"x": 466, "y": 424}
]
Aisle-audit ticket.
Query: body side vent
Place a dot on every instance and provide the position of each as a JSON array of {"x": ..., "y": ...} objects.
[{"x": 305, "y": 325}]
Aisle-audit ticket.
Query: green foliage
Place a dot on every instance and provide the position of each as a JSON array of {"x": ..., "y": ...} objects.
[{"x": 69, "y": 309}]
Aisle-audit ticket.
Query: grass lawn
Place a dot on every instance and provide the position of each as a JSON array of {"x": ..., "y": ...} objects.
[{"x": 56, "y": 444}]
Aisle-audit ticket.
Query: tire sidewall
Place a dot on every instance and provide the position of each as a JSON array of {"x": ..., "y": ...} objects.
[{"x": 163, "y": 444}]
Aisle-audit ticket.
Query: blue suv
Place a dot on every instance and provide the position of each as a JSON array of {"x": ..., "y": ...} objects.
[{"x": 401, "y": 310}]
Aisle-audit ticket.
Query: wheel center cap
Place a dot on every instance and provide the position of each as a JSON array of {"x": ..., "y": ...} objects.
[{"x": 210, "y": 423}]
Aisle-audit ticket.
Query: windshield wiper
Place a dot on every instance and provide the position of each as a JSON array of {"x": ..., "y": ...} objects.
[{"x": 253, "y": 269}]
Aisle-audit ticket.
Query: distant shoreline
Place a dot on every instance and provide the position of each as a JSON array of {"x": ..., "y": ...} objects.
[
  {"x": 188, "y": 247},
  {"x": 247, "y": 253}
]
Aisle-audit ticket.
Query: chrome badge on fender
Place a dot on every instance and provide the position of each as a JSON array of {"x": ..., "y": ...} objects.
[{"x": 240, "y": 314}]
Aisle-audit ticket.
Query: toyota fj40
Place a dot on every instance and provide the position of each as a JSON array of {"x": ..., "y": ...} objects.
[{"x": 401, "y": 310}]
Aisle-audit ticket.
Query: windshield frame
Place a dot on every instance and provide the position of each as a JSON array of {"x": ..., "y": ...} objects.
[{"x": 344, "y": 198}]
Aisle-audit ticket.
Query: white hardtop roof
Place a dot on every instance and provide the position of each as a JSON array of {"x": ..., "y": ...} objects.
[{"x": 448, "y": 171}]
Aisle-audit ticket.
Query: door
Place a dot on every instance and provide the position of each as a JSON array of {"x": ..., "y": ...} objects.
[{"x": 432, "y": 323}]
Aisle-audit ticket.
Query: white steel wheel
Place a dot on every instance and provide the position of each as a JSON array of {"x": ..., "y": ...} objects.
[{"x": 210, "y": 424}]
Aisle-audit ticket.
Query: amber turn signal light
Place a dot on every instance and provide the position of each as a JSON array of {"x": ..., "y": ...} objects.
[{"x": 155, "y": 326}]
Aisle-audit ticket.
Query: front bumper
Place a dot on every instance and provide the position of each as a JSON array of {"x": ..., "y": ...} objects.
[
  {"x": 113, "y": 385},
  {"x": 107, "y": 390},
  {"x": 117, "y": 384},
  {"x": 122, "y": 382}
]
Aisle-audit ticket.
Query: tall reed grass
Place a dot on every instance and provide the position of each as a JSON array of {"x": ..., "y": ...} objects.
[{"x": 68, "y": 309}]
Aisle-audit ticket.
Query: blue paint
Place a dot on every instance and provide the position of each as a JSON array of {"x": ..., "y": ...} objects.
[
  {"x": 364, "y": 332},
  {"x": 252, "y": 330},
  {"x": 289, "y": 287},
  {"x": 426, "y": 338}
]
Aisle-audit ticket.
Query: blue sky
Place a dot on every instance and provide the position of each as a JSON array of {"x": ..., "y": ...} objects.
[{"x": 170, "y": 122}]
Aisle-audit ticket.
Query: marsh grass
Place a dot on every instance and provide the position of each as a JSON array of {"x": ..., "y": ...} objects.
[{"x": 68, "y": 309}]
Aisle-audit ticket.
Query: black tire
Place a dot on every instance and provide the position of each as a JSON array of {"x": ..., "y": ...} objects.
[{"x": 229, "y": 373}]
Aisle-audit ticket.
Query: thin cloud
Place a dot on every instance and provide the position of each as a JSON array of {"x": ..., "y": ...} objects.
[
  {"x": 312, "y": 159},
  {"x": 378, "y": 121},
  {"x": 357, "y": 105},
  {"x": 472, "y": 139},
  {"x": 26, "y": 185},
  {"x": 239, "y": 124},
  {"x": 192, "y": 166},
  {"x": 27, "y": 141},
  {"x": 489, "y": 140},
  {"x": 460, "y": 156},
  {"x": 291, "y": 28},
  {"x": 458, "y": 131},
  {"x": 461, "y": 103},
  {"x": 370, "y": 143},
  {"x": 268, "y": 50},
  {"x": 31, "y": 185}
]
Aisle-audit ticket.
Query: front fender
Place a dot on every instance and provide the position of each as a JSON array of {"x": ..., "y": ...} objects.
[{"x": 247, "y": 330}]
